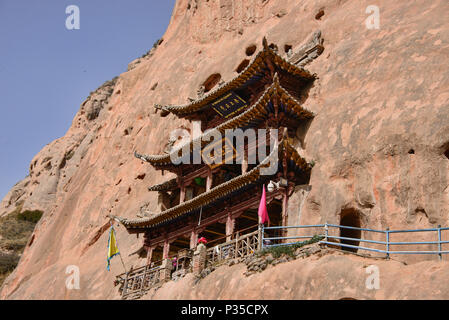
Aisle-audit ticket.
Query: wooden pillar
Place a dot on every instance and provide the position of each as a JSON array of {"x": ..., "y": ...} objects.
[
  {"x": 166, "y": 249},
  {"x": 259, "y": 236},
  {"x": 182, "y": 194},
  {"x": 285, "y": 211},
  {"x": 193, "y": 239},
  {"x": 230, "y": 225},
  {"x": 209, "y": 179},
  {"x": 181, "y": 184},
  {"x": 244, "y": 162},
  {"x": 149, "y": 254}
]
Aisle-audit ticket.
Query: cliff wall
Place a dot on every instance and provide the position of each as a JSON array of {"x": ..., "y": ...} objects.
[{"x": 379, "y": 140}]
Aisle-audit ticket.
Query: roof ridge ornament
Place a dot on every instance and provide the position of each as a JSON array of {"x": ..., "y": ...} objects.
[
  {"x": 276, "y": 80},
  {"x": 265, "y": 43},
  {"x": 164, "y": 111}
]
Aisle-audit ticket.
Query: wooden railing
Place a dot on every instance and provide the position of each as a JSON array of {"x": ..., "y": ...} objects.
[
  {"x": 183, "y": 263},
  {"x": 136, "y": 282},
  {"x": 239, "y": 247},
  {"x": 233, "y": 236}
]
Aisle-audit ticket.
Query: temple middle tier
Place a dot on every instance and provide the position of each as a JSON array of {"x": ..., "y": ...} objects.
[{"x": 284, "y": 157}]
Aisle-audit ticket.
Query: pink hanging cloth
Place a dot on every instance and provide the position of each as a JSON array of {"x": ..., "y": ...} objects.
[{"x": 263, "y": 212}]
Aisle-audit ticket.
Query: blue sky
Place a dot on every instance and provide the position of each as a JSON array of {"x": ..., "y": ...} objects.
[{"x": 47, "y": 71}]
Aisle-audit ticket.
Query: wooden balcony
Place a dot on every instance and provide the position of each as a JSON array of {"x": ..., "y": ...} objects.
[
  {"x": 135, "y": 283},
  {"x": 240, "y": 247}
]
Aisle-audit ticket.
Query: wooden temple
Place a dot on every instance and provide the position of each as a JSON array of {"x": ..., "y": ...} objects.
[{"x": 220, "y": 201}]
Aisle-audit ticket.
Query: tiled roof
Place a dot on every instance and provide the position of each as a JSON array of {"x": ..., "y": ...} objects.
[
  {"x": 165, "y": 186},
  {"x": 219, "y": 191},
  {"x": 253, "y": 72},
  {"x": 257, "y": 112}
]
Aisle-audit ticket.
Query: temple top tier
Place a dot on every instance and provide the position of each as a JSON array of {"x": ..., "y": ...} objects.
[
  {"x": 275, "y": 108},
  {"x": 235, "y": 96}
]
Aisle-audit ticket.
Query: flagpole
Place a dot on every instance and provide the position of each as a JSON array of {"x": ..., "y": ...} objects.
[{"x": 121, "y": 259}]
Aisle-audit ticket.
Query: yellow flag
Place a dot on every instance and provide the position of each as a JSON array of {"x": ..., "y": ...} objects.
[{"x": 112, "y": 246}]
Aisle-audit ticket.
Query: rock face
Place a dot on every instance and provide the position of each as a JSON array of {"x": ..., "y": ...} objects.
[
  {"x": 331, "y": 276},
  {"x": 379, "y": 140}
]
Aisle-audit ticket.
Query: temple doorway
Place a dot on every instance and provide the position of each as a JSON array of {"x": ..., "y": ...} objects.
[{"x": 350, "y": 218}]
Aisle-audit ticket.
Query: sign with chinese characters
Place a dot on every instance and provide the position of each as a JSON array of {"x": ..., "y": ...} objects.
[
  {"x": 228, "y": 153},
  {"x": 229, "y": 105}
]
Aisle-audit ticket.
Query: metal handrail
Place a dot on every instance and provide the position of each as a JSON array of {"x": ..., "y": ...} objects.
[
  {"x": 357, "y": 239},
  {"x": 287, "y": 238},
  {"x": 387, "y": 243},
  {"x": 354, "y": 228},
  {"x": 290, "y": 227}
]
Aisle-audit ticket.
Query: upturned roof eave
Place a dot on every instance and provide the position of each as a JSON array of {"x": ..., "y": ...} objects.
[{"x": 240, "y": 79}]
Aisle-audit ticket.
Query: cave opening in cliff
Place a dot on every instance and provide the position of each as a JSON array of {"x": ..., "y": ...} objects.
[
  {"x": 275, "y": 214},
  {"x": 211, "y": 82},
  {"x": 350, "y": 218},
  {"x": 250, "y": 50},
  {"x": 242, "y": 65}
]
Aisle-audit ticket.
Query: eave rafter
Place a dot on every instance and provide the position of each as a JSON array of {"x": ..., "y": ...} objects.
[{"x": 165, "y": 186}]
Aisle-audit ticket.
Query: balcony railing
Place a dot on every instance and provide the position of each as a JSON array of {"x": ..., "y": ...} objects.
[
  {"x": 383, "y": 246},
  {"x": 136, "y": 282},
  {"x": 239, "y": 247}
]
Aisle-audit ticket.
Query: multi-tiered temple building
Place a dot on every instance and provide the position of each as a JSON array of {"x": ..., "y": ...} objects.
[{"x": 219, "y": 201}]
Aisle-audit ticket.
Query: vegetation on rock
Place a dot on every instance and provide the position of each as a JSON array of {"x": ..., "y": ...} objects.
[
  {"x": 276, "y": 252},
  {"x": 15, "y": 231}
]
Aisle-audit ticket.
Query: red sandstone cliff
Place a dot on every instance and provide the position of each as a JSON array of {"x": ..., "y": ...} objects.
[{"x": 381, "y": 94}]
